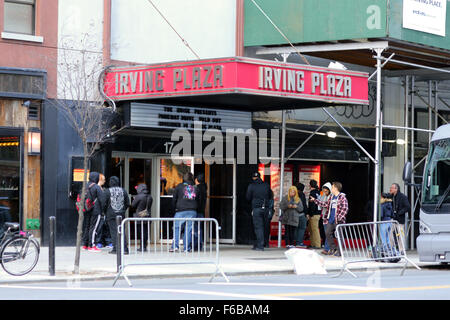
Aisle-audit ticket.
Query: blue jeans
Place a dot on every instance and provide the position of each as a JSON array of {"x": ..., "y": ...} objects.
[
  {"x": 187, "y": 238},
  {"x": 325, "y": 243},
  {"x": 385, "y": 231},
  {"x": 302, "y": 221}
]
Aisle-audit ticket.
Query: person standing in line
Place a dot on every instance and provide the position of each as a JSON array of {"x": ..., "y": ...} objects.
[
  {"x": 314, "y": 216},
  {"x": 202, "y": 189},
  {"x": 268, "y": 222},
  {"x": 94, "y": 216},
  {"x": 142, "y": 202},
  {"x": 386, "y": 214},
  {"x": 302, "y": 221},
  {"x": 324, "y": 197},
  {"x": 400, "y": 204},
  {"x": 337, "y": 209},
  {"x": 259, "y": 195},
  {"x": 102, "y": 236},
  {"x": 185, "y": 203},
  {"x": 117, "y": 202},
  {"x": 292, "y": 208}
]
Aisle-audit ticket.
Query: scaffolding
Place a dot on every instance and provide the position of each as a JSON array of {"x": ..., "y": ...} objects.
[{"x": 412, "y": 92}]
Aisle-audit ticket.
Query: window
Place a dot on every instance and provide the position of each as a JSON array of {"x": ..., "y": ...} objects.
[{"x": 19, "y": 16}]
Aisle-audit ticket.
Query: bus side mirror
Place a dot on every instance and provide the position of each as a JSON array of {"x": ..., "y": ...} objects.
[{"x": 407, "y": 172}]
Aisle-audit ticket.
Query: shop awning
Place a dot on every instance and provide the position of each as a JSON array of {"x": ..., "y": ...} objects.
[{"x": 237, "y": 83}]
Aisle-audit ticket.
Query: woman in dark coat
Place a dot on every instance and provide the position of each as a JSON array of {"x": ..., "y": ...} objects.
[
  {"x": 142, "y": 201},
  {"x": 292, "y": 208}
]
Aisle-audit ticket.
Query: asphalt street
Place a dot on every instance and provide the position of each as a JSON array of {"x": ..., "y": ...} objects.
[{"x": 431, "y": 283}]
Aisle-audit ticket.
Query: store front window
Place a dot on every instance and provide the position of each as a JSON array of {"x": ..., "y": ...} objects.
[{"x": 10, "y": 178}]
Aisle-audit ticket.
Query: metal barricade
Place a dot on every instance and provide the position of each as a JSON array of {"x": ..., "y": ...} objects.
[
  {"x": 151, "y": 241},
  {"x": 381, "y": 241}
]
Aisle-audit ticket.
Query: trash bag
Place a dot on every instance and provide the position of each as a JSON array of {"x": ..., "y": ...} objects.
[{"x": 306, "y": 261}]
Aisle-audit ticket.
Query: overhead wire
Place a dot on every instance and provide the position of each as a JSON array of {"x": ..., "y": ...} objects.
[
  {"x": 170, "y": 25},
  {"x": 281, "y": 32}
]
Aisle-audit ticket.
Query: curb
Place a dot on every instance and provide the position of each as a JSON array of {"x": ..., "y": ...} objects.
[{"x": 75, "y": 278}]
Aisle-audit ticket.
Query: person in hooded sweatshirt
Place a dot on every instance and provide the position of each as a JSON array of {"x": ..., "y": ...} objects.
[
  {"x": 92, "y": 217},
  {"x": 142, "y": 201},
  {"x": 185, "y": 203},
  {"x": 259, "y": 195},
  {"x": 117, "y": 202},
  {"x": 337, "y": 209}
]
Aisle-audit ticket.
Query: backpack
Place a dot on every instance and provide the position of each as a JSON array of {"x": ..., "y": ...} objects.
[{"x": 88, "y": 202}]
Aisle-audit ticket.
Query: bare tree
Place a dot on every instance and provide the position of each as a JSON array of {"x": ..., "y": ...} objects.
[{"x": 81, "y": 101}]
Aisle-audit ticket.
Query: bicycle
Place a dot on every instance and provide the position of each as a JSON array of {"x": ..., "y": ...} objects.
[{"x": 19, "y": 251}]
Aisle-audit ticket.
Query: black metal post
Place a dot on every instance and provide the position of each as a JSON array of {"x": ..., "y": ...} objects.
[
  {"x": 51, "y": 246},
  {"x": 118, "y": 243}
]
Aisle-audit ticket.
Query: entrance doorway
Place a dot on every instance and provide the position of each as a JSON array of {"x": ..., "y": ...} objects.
[
  {"x": 162, "y": 175},
  {"x": 221, "y": 205}
]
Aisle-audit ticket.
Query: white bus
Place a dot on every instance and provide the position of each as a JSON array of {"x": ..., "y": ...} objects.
[{"x": 433, "y": 243}]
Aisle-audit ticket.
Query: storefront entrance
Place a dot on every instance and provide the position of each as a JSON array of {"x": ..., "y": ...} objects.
[{"x": 162, "y": 175}]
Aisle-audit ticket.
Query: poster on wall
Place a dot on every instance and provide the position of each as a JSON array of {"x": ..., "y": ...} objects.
[
  {"x": 425, "y": 15},
  {"x": 307, "y": 173}
]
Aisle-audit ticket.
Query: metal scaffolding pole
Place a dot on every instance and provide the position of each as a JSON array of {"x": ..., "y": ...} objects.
[
  {"x": 376, "y": 191},
  {"x": 429, "y": 111},
  {"x": 436, "y": 105},
  {"x": 283, "y": 142},
  {"x": 411, "y": 233},
  {"x": 407, "y": 94}
]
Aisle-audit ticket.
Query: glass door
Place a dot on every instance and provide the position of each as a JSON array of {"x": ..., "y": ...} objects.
[
  {"x": 222, "y": 199},
  {"x": 170, "y": 175}
]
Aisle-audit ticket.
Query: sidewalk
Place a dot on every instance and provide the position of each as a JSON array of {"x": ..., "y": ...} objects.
[{"x": 234, "y": 260}]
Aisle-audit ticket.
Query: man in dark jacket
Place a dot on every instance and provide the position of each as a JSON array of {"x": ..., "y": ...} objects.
[
  {"x": 185, "y": 203},
  {"x": 259, "y": 195},
  {"x": 92, "y": 217},
  {"x": 314, "y": 216},
  {"x": 142, "y": 201},
  {"x": 202, "y": 197},
  {"x": 400, "y": 203},
  {"x": 117, "y": 202}
]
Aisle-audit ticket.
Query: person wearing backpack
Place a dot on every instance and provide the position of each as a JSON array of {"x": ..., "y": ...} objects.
[
  {"x": 142, "y": 202},
  {"x": 185, "y": 203},
  {"x": 117, "y": 202},
  {"x": 92, "y": 214}
]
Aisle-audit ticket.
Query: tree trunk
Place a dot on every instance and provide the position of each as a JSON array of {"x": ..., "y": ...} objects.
[{"x": 76, "y": 269}]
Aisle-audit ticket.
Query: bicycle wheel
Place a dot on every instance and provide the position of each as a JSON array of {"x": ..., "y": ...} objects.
[{"x": 19, "y": 256}]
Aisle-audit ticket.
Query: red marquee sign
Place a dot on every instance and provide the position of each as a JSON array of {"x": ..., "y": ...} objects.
[{"x": 236, "y": 75}]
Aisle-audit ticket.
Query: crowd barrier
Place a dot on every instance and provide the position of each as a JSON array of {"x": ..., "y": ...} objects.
[
  {"x": 150, "y": 241},
  {"x": 381, "y": 241}
]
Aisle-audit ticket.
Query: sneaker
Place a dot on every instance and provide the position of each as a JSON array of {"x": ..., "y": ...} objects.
[
  {"x": 94, "y": 249},
  {"x": 109, "y": 246},
  {"x": 100, "y": 246},
  {"x": 85, "y": 248},
  {"x": 173, "y": 250}
]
